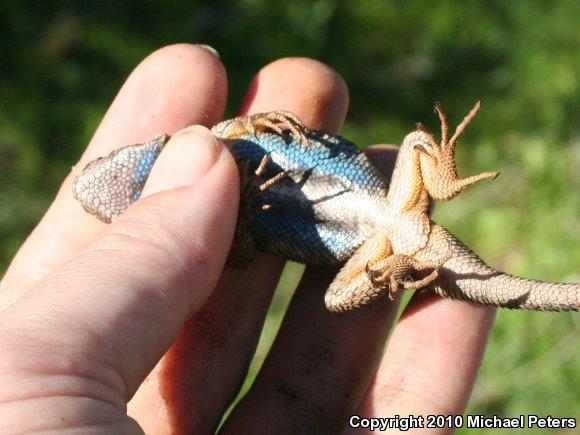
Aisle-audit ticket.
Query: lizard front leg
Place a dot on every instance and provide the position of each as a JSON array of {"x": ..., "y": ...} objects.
[
  {"x": 438, "y": 168},
  {"x": 253, "y": 124},
  {"x": 374, "y": 270},
  {"x": 352, "y": 287},
  {"x": 252, "y": 183}
]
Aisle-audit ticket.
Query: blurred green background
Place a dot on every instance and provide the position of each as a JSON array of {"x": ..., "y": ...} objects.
[{"x": 61, "y": 63}]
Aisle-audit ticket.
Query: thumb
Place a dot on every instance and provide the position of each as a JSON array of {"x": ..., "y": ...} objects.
[{"x": 112, "y": 311}]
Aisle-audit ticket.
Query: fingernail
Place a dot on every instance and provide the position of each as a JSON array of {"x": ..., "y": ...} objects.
[
  {"x": 210, "y": 49},
  {"x": 186, "y": 158}
]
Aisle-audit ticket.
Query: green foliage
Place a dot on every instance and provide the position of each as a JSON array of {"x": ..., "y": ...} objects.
[{"x": 61, "y": 63}]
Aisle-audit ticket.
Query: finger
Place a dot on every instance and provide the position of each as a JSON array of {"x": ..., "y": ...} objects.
[
  {"x": 110, "y": 313},
  {"x": 321, "y": 363},
  {"x": 176, "y": 86},
  {"x": 195, "y": 382},
  {"x": 431, "y": 361}
]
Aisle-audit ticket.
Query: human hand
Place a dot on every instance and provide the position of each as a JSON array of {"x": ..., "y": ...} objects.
[{"x": 88, "y": 310}]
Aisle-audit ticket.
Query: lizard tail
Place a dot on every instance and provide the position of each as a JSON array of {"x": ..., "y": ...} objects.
[{"x": 465, "y": 276}]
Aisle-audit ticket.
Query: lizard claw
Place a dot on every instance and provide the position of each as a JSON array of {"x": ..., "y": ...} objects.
[
  {"x": 253, "y": 183},
  {"x": 272, "y": 119},
  {"x": 253, "y": 124}
]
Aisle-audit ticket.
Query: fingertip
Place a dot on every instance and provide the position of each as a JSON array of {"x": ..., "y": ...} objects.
[
  {"x": 383, "y": 157},
  {"x": 209, "y": 48},
  {"x": 190, "y": 64},
  {"x": 186, "y": 157},
  {"x": 186, "y": 76},
  {"x": 175, "y": 86}
]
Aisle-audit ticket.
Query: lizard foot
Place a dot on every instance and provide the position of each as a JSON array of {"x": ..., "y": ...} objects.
[
  {"x": 438, "y": 168},
  {"x": 398, "y": 270},
  {"x": 243, "y": 248},
  {"x": 360, "y": 281},
  {"x": 253, "y": 183},
  {"x": 253, "y": 124}
]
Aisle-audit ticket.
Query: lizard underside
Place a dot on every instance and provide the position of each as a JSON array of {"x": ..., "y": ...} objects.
[{"x": 315, "y": 198}]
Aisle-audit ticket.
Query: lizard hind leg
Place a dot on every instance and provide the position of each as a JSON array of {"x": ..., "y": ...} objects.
[
  {"x": 352, "y": 286},
  {"x": 372, "y": 271},
  {"x": 438, "y": 168},
  {"x": 399, "y": 270}
]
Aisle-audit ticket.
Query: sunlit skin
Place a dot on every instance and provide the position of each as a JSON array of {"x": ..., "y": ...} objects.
[{"x": 134, "y": 326}]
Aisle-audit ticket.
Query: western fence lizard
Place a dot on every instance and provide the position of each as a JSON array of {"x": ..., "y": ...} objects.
[{"x": 315, "y": 198}]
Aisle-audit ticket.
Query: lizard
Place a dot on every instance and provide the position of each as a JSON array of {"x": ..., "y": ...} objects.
[{"x": 315, "y": 198}]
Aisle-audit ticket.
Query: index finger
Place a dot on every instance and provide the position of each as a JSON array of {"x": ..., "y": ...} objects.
[{"x": 174, "y": 87}]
